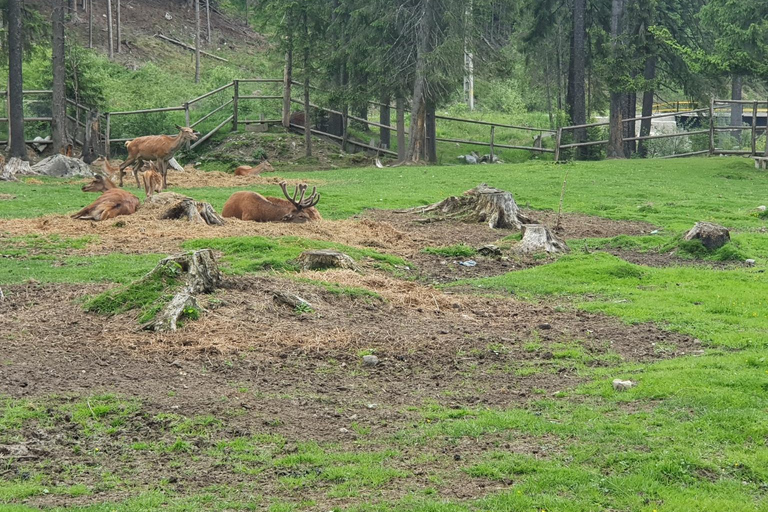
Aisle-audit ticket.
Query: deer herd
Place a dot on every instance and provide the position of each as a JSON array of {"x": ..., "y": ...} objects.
[{"x": 150, "y": 157}]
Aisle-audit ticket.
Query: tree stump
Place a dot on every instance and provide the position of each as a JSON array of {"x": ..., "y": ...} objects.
[
  {"x": 194, "y": 211},
  {"x": 201, "y": 274},
  {"x": 13, "y": 167},
  {"x": 480, "y": 204},
  {"x": 538, "y": 238},
  {"x": 292, "y": 300},
  {"x": 711, "y": 236},
  {"x": 326, "y": 258}
]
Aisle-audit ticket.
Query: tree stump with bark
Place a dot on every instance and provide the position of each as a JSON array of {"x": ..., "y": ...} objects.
[
  {"x": 711, "y": 236},
  {"x": 484, "y": 204},
  {"x": 326, "y": 258},
  {"x": 538, "y": 238},
  {"x": 194, "y": 211},
  {"x": 13, "y": 167},
  {"x": 201, "y": 275}
]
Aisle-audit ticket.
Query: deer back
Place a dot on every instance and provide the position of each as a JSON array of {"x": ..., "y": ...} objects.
[
  {"x": 247, "y": 205},
  {"x": 110, "y": 204}
]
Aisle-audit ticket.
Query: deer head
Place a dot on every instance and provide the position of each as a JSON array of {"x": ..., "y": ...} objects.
[
  {"x": 100, "y": 183},
  {"x": 187, "y": 133},
  {"x": 303, "y": 204}
]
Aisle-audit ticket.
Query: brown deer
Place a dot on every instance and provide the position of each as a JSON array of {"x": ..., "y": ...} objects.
[
  {"x": 160, "y": 148},
  {"x": 246, "y": 205},
  {"x": 152, "y": 180},
  {"x": 247, "y": 170},
  {"x": 110, "y": 204},
  {"x": 110, "y": 169}
]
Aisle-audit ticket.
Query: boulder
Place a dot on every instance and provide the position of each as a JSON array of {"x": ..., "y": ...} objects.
[
  {"x": 712, "y": 236},
  {"x": 61, "y": 166}
]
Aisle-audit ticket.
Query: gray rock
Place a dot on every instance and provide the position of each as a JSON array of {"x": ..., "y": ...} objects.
[
  {"x": 623, "y": 385},
  {"x": 761, "y": 208},
  {"x": 61, "y": 166},
  {"x": 370, "y": 360},
  {"x": 712, "y": 236},
  {"x": 749, "y": 263}
]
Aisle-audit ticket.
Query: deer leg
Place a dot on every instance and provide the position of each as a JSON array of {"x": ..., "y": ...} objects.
[
  {"x": 123, "y": 165},
  {"x": 139, "y": 165},
  {"x": 164, "y": 172}
]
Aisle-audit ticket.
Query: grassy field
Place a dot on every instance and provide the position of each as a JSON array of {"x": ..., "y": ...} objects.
[{"x": 691, "y": 436}]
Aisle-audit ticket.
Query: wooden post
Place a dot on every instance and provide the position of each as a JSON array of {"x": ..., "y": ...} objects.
[
  {"x": 493, "y": 134},
  {"x": 400, "y": 105},
  {"x": 754, "y": 129},
  {"x": 106, "y": 136},
  {"x": 344, "y": 126},
  {"x": 235, "y": 97},
  {"x": 711, "y": 126},
  {"x": 287, "y": 79},
  {"x": 558, "y": 138}
]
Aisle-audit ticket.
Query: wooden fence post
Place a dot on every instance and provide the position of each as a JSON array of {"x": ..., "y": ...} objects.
[
  {"x": 493, "y": 133},
  {"x": 107, "y": 135},
  {"x": 235, "y": 97},
  {"x": 754, "y": 129},
  {"x": 711, "y": 126},
  {"x": 558, "y": 138},
  {"x": 400, "y": 105},
  {"x": 344, "y": 128}
]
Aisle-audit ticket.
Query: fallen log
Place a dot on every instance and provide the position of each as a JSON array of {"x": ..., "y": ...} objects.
[{"x": 188, "y": 47}]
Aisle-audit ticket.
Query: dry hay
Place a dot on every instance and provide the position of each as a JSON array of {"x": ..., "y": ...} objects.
[
  {"x": 195, "y": 178},
  {"x": 7, "y": 197}
]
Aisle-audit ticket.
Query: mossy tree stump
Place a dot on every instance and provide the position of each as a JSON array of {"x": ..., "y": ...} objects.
[{"x": 326, "y": 258}]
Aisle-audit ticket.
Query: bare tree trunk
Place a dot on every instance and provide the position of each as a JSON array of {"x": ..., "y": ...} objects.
[
  {"x": 615, "y": 144},
  {"x": 15, "y": 82},
  {"x": 578, "y": 58},
  {"x": 90, "y": 23},
  {"x": 111, "y": 43},
  {"x": 401, "y": 149},
  {"x": 197, "y": 41},
  {"x": 431, "y": 152},
  {"x": 649, "y": 74},
  {"x": 307, "y": 123},
  {"x": 119, "y": 27},
  {"x": 417, "y": 145},
  {"x": 630, "y": 128},
  {"x": 59, "y": 107},
  {"x": 385, "y": 118},
  {"x": 208, "y": 21},
  {"x": 737, "y": 110},
  {"x": 287, "y": 80}
]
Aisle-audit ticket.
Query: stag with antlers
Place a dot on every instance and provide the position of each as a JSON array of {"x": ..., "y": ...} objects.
[{"x": 247, "y": 205}]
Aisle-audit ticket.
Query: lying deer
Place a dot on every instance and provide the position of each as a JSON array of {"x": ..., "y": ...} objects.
[
  {"x": 247, "y": 170},
  {"x": 246, "y": 205},
  {"x": 112, "y": 202},
  {"x": 113, "y": 170},
  {"x": 160, "y": 148},
  {"x": 152, "y": 180}
]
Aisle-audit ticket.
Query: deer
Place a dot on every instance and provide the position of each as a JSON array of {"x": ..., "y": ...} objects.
[
  {"x": 112, "y": 202},
  {"x": 152, "y": 180},
  {"x": 110, "y": 169},
  {"x": 247, "y": 170},
  {"x": 160, "y": 148},
  {"x": 246, "y": 205}
]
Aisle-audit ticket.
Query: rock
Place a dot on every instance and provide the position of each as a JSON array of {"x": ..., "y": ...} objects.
[
  {"x": 489, "y": 250},
  {"x": 370, "y": 360},
  {"x": 749, "y": 263},
  {"x": 712, "y": 236},
  {"x": 761, "y": 208},
  {"x": 623, "y": 385},
  {"x": 61, "y": 166}
]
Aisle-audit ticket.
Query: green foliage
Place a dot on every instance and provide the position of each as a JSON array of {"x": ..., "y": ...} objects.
[{"x": 454, "y": 251}]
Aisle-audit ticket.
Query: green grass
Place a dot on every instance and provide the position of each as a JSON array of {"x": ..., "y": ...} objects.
[
  {"x": 250, "y": 254},
  {"x": 722, "y": 307},
  {"x": 454, "y": 251}
]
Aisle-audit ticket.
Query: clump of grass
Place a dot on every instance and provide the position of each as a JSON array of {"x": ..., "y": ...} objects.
[{"x": 452, "y": 251}]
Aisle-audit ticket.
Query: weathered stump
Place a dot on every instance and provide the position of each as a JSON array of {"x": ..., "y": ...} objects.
[
  {"x": 194, "y": 211},
  {"x": 480, "y": 204},
  {"x": 711, "y": 236},
  {"x": 326, "y": 258},
  {"x": 13, "y": 167},
  {"x": 292, "y": 300},
  {"x": 538, "y": 238},
  {"x": 201, "y": 275}
]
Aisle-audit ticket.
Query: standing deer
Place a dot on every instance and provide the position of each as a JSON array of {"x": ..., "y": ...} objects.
[
  {"x": 247, "y": 170},
  {"x": 112, "y": 202},
  {"x": 152, "y": 180},
  {"x": 160, "y": 148},
  {"x": 246, "y": 205}
]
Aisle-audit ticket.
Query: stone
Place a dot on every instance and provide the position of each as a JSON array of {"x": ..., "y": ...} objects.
[
  {"x": 749, "y": 262},
  {"x": 761, "y": 208},
  {"x": 712, "y": 236},
  {"x": 61, "y": 166},
  {"x": 623, "y": 385},
  {"x": 370, "y": 360}
]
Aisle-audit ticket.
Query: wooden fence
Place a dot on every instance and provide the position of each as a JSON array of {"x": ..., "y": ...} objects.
[{"x": 81, "y": 117}]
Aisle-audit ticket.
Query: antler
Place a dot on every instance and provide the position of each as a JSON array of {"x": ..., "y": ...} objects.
[{"x": 302, "y": 203}]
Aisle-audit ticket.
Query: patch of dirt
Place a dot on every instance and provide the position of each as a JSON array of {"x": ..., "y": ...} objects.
[{"x": 7, "y": 197}]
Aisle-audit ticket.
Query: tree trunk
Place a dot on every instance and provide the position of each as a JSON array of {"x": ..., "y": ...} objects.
[
  {"x": 15, "y": 81},
  {"x": 737, "y": 83},
  {"x": 119, "y": 26},
  {"x": 111, "y": 43},
  {"x": 417, "y": 145},
  {"x": 208, "y": 21},
  {"x": 59, "y": 106},
  {"x": 649, "y": 74},
  {"x": 385, "y": 118},
  {"x": 401, "y": 149},
  {"x": 90, "y": 23},
  {"x": 578, "y": 59},
  {"x": 307, "y": 118},
  {"x": 630, "y": 128},
  {"x": 431, "y": 153},
  {"x": 287, "y": 81},
  {"x": 616, "y": 127},
  {"x": 197, "y": 41}
]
